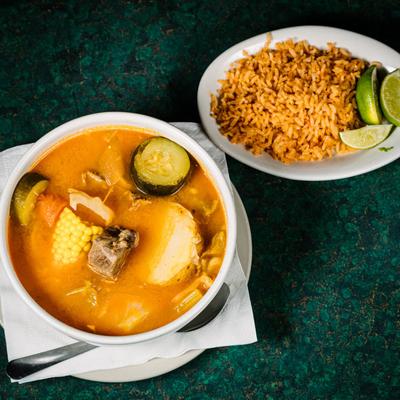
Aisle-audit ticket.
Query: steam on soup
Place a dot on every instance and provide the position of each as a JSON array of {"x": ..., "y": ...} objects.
[{"x": 116, "y": 231}]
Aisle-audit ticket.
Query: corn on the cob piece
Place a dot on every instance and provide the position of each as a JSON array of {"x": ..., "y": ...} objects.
[{"x": 71, "y": 237}]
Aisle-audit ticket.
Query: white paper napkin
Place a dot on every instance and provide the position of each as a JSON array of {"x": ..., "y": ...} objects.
[{"x": 28, "y": 334}]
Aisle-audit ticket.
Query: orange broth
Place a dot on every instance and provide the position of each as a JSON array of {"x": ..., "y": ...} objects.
[{"x": 106, "y": 305}]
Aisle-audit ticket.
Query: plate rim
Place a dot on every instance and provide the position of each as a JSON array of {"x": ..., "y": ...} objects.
[{"x": 247, "y": 158}]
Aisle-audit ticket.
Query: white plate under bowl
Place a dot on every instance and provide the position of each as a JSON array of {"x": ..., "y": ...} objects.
[
  {"x": 160, "y": 366},
  {"x": 338, "y": 167}
]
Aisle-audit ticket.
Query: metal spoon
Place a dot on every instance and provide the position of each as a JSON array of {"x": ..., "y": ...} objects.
[{"x": 25, "y": 366}]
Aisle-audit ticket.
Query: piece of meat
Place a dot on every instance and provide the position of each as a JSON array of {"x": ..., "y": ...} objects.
[{"x": 110, "y": 250}]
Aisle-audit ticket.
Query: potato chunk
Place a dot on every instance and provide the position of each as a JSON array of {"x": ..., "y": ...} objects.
[{"x": 176, "y": 254}]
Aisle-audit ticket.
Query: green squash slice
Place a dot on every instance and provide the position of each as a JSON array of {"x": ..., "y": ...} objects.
[
  {"x": 160, "y": 166},
  {"x": 30, "y": 186}
]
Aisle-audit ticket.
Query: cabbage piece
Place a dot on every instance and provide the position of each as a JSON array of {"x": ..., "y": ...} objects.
[
  {"x": 111, "y": 165},
  {"x": 95, "y": 204},
  {"x": 212, "y": 258}
]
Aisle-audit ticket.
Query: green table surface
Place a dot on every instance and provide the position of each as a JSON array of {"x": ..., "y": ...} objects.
[{"x": 325, "y": 276}]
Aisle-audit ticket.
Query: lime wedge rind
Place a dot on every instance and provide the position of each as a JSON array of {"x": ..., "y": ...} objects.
[
  {"x": 366, "y": 137},
  {"x": 367, "y": 97},
  {"x": 390, "y": 97}
]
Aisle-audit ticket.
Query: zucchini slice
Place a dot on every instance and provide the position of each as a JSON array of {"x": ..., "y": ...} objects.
[
  {"x": 30, "y": 186},
  {"x": 160, "y": 166}
]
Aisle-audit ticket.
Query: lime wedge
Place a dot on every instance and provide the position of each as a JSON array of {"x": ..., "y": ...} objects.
[
  {"x": 367, "y": 97},
  {"x": 390, "y": 97},
  {"x": 366, "y": 137}
]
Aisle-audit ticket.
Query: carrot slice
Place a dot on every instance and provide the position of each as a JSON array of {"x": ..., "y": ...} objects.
[{"x": 49, "y": 207}]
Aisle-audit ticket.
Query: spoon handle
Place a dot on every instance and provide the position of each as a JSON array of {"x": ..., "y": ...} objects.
[{"x": 22, "y": 367}]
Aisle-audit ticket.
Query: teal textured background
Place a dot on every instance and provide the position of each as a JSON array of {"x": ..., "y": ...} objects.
[{"x": 325, "y": 279}]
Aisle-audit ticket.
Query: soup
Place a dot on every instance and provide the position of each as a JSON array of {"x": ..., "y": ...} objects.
[{"x": 116, "y": 231}]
